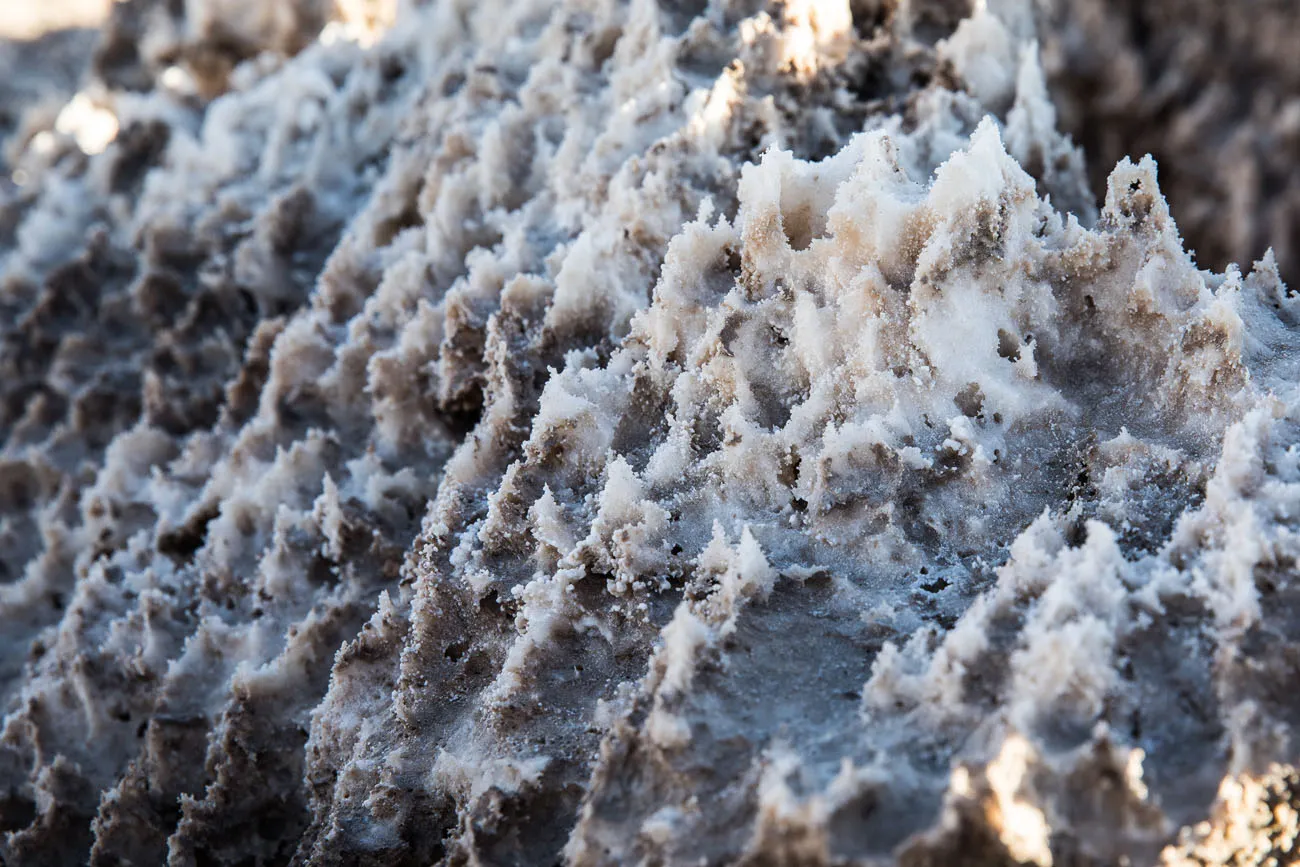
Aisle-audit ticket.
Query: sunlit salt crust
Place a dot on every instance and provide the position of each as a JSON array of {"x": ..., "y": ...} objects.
[{"x": 610, "y": 433}]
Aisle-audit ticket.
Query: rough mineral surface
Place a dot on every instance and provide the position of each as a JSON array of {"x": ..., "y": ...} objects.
[{"x": 521, "y": 432}]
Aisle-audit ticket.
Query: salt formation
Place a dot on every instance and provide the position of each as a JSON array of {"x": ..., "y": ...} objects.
[
  {"x": 1212, "y": 89},
  {"x": 613, "y": 433}
]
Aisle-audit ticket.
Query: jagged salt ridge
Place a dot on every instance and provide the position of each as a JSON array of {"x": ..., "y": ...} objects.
[{"x": 635, "y": 433}]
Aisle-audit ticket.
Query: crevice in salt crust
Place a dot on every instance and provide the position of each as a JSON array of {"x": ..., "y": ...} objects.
[{"x": 616, "y": 433}]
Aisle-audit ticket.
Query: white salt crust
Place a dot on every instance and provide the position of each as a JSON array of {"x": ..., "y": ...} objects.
[{"x": 627, "y": 433}]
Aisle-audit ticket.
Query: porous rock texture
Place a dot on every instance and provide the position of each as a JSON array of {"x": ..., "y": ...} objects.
[{"x": 601, "y": 432}]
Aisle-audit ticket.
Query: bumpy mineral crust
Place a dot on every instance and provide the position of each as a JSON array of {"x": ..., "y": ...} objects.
[
  {"x": 609, "y": 433},
  {"x": 1212, "y": 90}
]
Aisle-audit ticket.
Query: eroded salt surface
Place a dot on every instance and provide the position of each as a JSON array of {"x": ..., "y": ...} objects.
[{"x": 613, "y": 433}]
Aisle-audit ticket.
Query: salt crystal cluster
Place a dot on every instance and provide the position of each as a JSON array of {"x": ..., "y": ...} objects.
[{"x": 601, "y": 432}]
